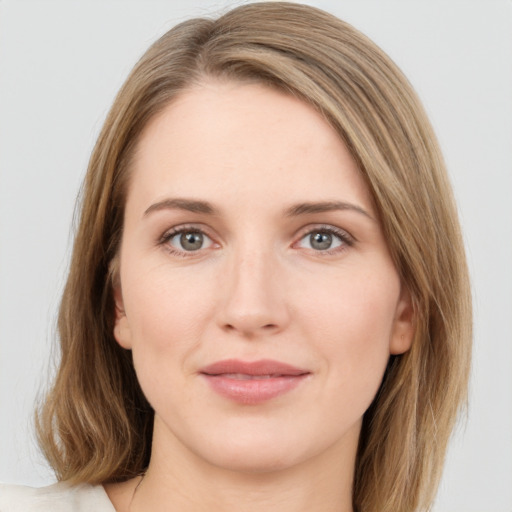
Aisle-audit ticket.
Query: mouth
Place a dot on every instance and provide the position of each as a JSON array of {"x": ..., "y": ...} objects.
[
  {"x": 254, "y": 382},
  {"x": 244, "y": 376}
]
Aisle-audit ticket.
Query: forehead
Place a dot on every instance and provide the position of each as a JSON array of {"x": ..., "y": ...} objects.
[{"x": 220, "y": 139}]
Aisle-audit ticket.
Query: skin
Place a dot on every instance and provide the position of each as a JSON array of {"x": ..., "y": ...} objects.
[{"x": 258, "y": 288}]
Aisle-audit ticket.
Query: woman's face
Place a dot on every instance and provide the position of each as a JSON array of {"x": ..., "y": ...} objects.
[{"x": 256, "y": 291}]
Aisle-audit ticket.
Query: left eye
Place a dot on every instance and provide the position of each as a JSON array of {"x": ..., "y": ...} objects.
[
  {"x": 321, "y": 240},
  {"x": 190, "y": 241}
]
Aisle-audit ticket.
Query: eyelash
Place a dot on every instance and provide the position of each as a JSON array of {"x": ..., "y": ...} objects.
[
  {"x": 169, "y": 235},
  {"x": 346, "y": 239}
]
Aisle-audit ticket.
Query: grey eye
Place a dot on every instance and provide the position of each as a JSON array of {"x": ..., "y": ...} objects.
[
  {"x": 190, "y": 241},
  {"x": 321, "y": 241}
]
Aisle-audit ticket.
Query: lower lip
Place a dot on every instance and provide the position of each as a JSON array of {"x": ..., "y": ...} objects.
[{"x": 253, "y": 391}]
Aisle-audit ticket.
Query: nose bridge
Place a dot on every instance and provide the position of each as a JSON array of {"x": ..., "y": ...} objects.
[
  {"x": 254, "y": 301},
  {"x": 252, "y": 277}
]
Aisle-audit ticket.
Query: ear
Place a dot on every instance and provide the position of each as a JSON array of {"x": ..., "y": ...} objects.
[
  {"x": 122, "y": 332},
  {"x": 403, "y": 325}
]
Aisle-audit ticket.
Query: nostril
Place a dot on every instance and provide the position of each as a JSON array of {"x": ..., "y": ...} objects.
[{"x": 250, "y": 330}]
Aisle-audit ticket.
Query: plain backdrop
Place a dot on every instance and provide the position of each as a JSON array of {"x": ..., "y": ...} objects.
[{"x": 61, "y": 63}]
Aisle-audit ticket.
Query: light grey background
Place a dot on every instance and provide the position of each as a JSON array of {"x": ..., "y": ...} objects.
[{"x": 61, "y": 63}]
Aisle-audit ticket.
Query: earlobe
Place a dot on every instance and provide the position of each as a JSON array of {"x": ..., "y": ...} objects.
[
  {"x": 122, "y": 332},
  {"x": 404, "y": 324}
]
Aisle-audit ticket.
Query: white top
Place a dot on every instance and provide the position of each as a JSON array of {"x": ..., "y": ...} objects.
[{"x": 59, "y": 497}]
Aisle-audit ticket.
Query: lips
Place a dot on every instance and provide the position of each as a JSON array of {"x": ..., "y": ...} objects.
[{"x": 252, "y": 382}]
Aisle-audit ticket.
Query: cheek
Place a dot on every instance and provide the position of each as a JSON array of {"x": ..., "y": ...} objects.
[
  {"x": 166, "y": 317},
  {"x": 352, "y": 323},
  {"x": 354, "y": 303},
  {"x": 166, "y": 314}
]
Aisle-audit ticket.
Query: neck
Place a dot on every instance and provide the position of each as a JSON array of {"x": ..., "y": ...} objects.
[{"x": 179, "y": 480}]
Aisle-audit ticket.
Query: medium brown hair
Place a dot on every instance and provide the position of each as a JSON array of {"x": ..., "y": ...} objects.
[{"x": 96, "y": 425}]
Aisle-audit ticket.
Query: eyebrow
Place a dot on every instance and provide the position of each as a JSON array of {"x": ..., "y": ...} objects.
[
  {"x": 326, "y": 206},
  {"x": 190, "y": 205},
  {"x": 198, "y": 206}
]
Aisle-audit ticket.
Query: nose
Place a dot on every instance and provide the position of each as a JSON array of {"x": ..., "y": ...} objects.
[{"x": 253, "y": 296}]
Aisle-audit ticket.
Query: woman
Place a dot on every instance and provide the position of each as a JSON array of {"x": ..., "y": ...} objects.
[{"x": 268, "y": 304}]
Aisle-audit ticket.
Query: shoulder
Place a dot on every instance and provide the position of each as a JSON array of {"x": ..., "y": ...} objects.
[{"x": 59, "y": 497}]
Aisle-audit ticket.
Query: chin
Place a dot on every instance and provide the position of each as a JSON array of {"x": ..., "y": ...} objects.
[
  {"x": 253, "y": 459},
  {"x": 266, "y": 450}
]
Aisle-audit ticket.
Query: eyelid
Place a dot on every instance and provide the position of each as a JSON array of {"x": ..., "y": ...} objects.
[
  {"x": 166, "y": 237},
  {"x": 347, "y": 239}
]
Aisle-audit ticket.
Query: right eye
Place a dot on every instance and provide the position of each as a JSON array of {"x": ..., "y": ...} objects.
[{"x": 187, "y": 240}]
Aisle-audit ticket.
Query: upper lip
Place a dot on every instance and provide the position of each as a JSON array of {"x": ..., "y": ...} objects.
[{"x": 255, "y": 368}]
